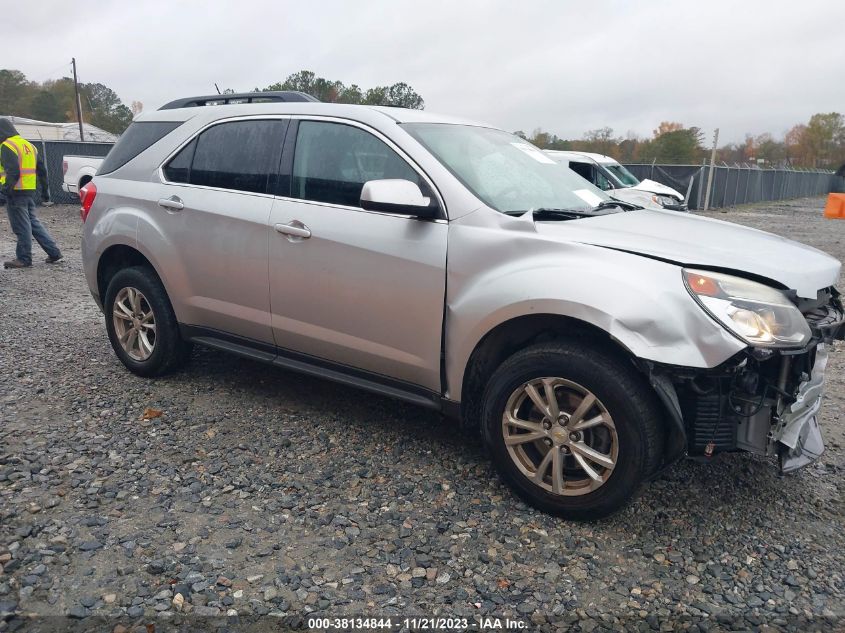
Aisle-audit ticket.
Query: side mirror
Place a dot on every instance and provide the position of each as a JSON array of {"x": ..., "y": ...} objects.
[{"x": 398, "y": 196}]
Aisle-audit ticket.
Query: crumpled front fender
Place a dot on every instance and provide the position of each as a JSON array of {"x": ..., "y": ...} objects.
[{"x": 496, "y": 276}]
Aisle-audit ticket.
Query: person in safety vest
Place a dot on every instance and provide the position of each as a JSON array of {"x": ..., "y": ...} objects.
[{"x": 22, "y": 172}]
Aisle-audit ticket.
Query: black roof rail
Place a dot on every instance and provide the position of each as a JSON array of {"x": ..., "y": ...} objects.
[{"x": 239, "y": 97}]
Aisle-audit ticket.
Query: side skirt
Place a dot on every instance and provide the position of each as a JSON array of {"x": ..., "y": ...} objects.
[{"x": 319, "y": 367}]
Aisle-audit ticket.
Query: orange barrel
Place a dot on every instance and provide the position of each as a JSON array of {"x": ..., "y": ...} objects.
[{"x": 835, "y": 207}]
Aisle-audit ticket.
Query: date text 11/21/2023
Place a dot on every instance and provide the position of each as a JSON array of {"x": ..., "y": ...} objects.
[{"x": 416, "y": 623}]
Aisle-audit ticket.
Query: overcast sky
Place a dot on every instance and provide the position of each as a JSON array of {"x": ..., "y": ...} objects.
[{"x": 566, "y": 67}]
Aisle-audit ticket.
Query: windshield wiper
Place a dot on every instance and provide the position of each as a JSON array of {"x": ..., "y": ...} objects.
[
  {"x": 625, "y": 206},
  {"x": 557, "y": 214}
]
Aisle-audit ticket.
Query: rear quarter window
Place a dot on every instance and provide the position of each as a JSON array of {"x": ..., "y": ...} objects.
[{"x": 137, "y": 137}]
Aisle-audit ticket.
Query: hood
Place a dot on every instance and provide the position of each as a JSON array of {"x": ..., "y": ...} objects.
[
  {"x": 6, "y": 129},
  {"x": 655, "y": 187},
  {"x": 694, "y": 241}
]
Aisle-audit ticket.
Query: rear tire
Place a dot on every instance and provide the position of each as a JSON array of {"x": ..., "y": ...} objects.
[
  {"x": 141, "y": 324},
  {"x": 573, "y": 430}
]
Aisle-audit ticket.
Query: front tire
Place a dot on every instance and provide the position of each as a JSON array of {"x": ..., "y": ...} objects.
[
  {"x": 572, "y": 429},
  {"x": 141, "y": 324}
]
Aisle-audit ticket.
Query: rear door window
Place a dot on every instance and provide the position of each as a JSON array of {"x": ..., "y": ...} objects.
[
  {"x": 236, "y": 155},
  {"x": 333, "y": 161}
]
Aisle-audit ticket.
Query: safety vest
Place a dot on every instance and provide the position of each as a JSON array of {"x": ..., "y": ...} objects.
[{"x": 27, "y": 158}]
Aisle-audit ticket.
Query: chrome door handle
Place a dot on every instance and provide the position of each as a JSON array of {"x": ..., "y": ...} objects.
[
  {"x": 295, "y": 229},
  {"x": 174, "y": 203}
]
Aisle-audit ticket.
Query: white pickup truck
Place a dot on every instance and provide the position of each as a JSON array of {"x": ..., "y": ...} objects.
[
  {"x": 612, "y": 178},
  {"x": 78, "y": 171}
]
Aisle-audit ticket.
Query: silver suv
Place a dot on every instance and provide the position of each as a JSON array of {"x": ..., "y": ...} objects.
[{"x": 455, "y": 266}]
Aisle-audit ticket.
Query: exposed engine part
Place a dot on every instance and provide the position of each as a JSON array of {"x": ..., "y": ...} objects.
[
  {"x": 702, "y": 385},
  {"x": 763, "y": 401},
  {"x": 748, "y": 382},
  {"x": 783, "y": 375},
  {"x": 753, "y": 432}
]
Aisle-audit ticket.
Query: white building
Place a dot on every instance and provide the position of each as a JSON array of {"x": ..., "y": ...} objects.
[{"x": 33, "y": 130}]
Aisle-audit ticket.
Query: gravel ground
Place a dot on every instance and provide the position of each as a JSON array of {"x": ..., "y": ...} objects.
[{"x": 259, "y": 491}]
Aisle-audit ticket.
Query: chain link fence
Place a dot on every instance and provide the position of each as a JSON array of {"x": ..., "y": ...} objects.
[
  {"x": 739, "y": 185},
  {"x": 839, "y": 181}
]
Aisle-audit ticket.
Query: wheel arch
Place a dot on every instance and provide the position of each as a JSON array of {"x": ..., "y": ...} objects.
[
  {"x": 511, "y": 335},
  {"x": 118, "y": 257}
]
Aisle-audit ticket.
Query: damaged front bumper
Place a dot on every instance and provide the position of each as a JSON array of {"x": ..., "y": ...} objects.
[
  {"x": 761, "y": 401},
  {"x": 797, "y": 429}
]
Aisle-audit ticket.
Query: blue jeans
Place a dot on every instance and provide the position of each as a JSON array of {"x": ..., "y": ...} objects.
[{"x": 25, "y": 226}]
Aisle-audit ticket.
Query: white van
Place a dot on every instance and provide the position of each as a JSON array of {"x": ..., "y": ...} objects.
[{"x": 608, "y": 175}]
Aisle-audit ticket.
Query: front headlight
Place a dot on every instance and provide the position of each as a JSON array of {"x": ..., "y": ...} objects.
[
  {"x": 760, "y": 315},
  {"x": 664, "y": 201}
]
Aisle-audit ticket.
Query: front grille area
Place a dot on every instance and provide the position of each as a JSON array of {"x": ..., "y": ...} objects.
[{"x": 733, "y": 406}]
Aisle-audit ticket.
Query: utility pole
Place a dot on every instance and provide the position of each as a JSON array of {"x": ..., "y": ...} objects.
[
  {"x": 78, "y": 101},
  {"x": 710, "y": 175}
]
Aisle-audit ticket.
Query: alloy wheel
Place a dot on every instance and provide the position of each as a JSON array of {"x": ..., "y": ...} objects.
[
  {"x": 134, "y": 323},
  {"x": 560, "y": 436}
]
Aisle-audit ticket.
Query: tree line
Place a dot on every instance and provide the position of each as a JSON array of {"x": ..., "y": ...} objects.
[
  {"x": 333, "y": 91},
  {"x": 817, "y": 144},
  {"x": 55, "y": 100}
]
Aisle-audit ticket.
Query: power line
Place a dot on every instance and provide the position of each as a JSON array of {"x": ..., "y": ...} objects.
[{"x": 49, "y": 75}]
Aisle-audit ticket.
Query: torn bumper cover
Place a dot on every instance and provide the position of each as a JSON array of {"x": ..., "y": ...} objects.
[
  {"x": 759, "y": 401},
  {"x": 797, "y": 428}
]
